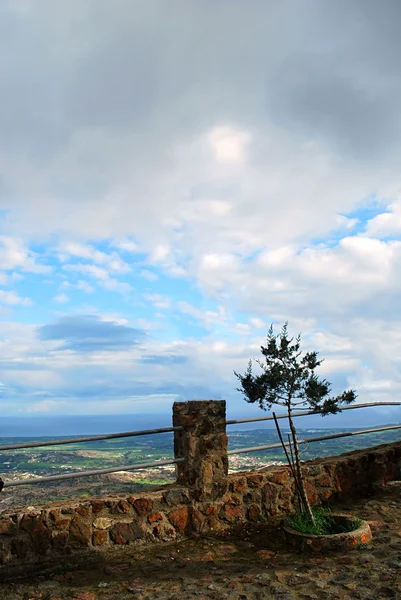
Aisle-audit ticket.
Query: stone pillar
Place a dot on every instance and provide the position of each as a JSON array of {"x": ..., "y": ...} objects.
[{"x": 203, "y": 445}]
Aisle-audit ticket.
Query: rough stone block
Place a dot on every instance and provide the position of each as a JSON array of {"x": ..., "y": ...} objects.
[
  {"x": 7, "y": 526},
  {"x": 80, "y": 531},
  {"x": 176, "y": 497},
  {"x": 41, "y": 538},
  {"x": 254, "y": 512},
  {"x": 154, "y": 517},
  {"x": 238, "y": 485},
  {"x": 125, "y": 533},
  {"x": 122, "y": 507},
  {"x": 83, "y": 510},
  {"x": 231, "y": 512},
  {"x": 280, "y": 477},
  {"x": 179, "y": 518},
  {"x": 97, "y": 505},
  {"x": 102, "y": 523},
  {"x": 100, "y": 537},
  {"x": 197, "y": 520},
  {"x": 255, "y": 480},
  {"x": 143, "y": 506}
]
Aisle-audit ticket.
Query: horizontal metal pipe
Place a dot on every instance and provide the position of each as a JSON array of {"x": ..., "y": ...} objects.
[
  {"x": 316, "y": 439},
  {"x": 89, "y": 438},
  {"x": 110, "y": 436},
  {"x": 309, "y": 412},
  {"x": 38, "y": 480}
]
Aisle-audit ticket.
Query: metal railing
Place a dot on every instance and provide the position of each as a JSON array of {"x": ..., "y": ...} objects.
[
  {"x": 333, "y": 436},
  {"x": 76, "y": 440},
  {"x": 89, "y": 438},
  {"x": 311, "y": 440},
  {"x": 308, "y": 412}
]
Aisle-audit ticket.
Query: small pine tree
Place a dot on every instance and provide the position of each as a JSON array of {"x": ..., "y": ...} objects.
[{"x": 288, "y": 379}]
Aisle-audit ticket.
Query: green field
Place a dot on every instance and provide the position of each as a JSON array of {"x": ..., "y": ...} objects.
[{"x": 52, "y": 460}]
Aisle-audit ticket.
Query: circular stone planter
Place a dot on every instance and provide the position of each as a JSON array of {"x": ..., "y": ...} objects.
[{"x": 334, "y": 542}]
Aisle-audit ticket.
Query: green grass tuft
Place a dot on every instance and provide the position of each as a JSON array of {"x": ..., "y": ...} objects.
[{"x": 325, "y": 523}]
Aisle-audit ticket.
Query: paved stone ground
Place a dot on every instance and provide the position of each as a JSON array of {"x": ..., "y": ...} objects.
[{"x": 248, "y": 563}]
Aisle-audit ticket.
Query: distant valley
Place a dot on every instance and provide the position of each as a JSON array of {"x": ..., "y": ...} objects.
[{"x": 52, "y": 460}]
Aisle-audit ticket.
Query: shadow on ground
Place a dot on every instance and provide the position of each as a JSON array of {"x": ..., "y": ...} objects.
[{"x": 246, "y": 563}]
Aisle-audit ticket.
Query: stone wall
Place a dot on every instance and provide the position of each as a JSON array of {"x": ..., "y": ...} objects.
[{"x": 34, "y": 536}]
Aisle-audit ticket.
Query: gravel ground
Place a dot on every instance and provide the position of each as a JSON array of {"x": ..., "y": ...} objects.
[{"x": 246, "y": 563}]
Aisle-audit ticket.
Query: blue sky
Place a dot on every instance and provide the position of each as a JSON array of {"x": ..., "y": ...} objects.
[{"x": 174, "y": 179}]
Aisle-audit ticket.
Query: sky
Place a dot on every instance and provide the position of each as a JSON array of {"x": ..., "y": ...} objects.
[{"x": 177, "y": 175}]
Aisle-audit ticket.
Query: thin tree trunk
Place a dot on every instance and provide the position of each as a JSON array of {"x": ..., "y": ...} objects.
[
  {"x": 301, "y": 483},
  {"x": 294, "y": 471},
  {"x": 291, "y": 464}
]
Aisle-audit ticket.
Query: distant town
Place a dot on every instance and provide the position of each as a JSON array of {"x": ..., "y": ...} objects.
[{"x": 40, "y": 462}]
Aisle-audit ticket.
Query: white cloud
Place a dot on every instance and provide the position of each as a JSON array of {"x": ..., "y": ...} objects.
[
  {"x": 224, "y": 181},
  {"x": 11, "y": 298},
  {"x": 113, "y": 262},
  {"x": 127, "y": 245},
  {"x": 149, "y": 275},
  {"x": 208, "y": 318},
  {"x": 158, "y": 300},
  {"x": 15, "y": 255},
  {"x": 61, "y": 298},
  {"x": 229, "y": 145},
  {"x": 101, "y": 275},
  {"x": 85, "y": 287},
  {"x": 257, "y": 323}
]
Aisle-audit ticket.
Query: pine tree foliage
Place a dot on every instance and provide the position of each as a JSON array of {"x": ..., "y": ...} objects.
[{"x": 288, "y": 379}]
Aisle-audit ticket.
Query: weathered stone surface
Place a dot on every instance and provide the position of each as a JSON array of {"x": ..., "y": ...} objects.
[
  {"x": 29, "y": 521},
  {"x": 270, "y": 498},
  {"x": 59, "y": 520},
  {"x": 102, "y": 523},
  {"x": 80, "y": 531},
  {"x": 67, "y": 510},
  {"x": 231, "y": 512},
  {"x": 179, "y": 518},
  {"x": 122, "y": 507},
  {"x": 280, "y": 477},
  {"x": 254, "y": 512},
  {"x": 97, "y": 506},
  {"x": 164, "y": 532},
  {"x": 203, "y": 444},
  {"x": 238, "y": 485},
  {"x": 176, "y": 497},
  {"x": 313, "y": 543},
  {"x": 41, "y": 538},
  {"x": 155, "y": 517},
  {"x": 59, "y": 539},
  {"x": 324, "y": 480},
  {"x": 83, "y": 510},
  {"x": 253, "y": 496},
  {"x": 143, "y": 506},
  {"x": 197, "y": 520},
  {"x": 100, "y": 537},
  {"x": 20, "y": 547},
  {"x": 125, "y": 533},
  {"x": 311, "y": 492},
  {"x": 255, "y": 480},
  {"x": 7, "y": 526}
]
